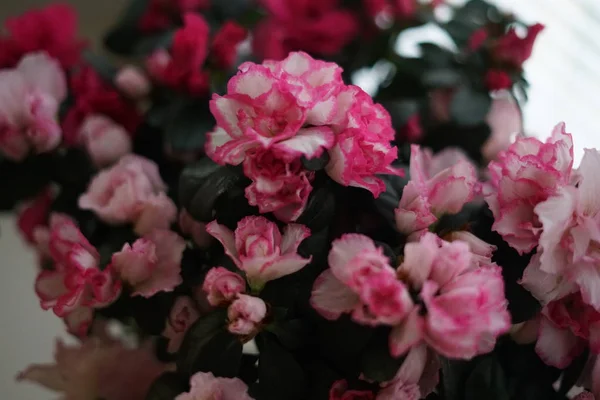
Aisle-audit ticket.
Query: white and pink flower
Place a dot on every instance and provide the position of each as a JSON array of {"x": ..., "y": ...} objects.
[
  {"x": 525, "y": 175},
  {"x": 30, "y": 96},
  {"x": 204, "y": 385},
  {"x": 76, "y": 285},
  {"x": 222, "y": 286},
  {"x": 440, "y": 184},
  {"x": 105, "y": 140},
  {"x": 130, "y": 191},
  {"x": 258, "y": 248},
  {"x": 246, "y": 314},
  {"x": 151, "y": 264}
]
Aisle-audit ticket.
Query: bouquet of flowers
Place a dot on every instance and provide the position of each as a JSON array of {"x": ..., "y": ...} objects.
[{"x": 227, "y": 216}]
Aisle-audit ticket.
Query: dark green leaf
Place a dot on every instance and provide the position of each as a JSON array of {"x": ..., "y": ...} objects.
[
  {"x": 319, "y": 211},
  {"x": 187, "y": 127},
  {"x": 279, "y": 374},
  {"x": 377, "y": 363},
  {"x": 453, "y": 375},
  {"x": 291, "y": 334},
  {"x": 167, "y": 386},
  {"x": 573, "y": 372},
  {"x": 125, "y": 35},
  {"x": 487, "y": 381},
  {"x": 470, "y": 107},
  {"x": 222, "y": 356},
  {"x": 196, "y": 341},
  {"x": 101, "y": 65},
  {"x": 436, "y": 56},
  {"x": 148, "y": 44}
]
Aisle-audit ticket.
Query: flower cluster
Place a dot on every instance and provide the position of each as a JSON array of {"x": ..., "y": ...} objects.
[{"x": 276, "y": 114}]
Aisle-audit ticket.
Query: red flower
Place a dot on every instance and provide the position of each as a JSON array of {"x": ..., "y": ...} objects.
[
  {"x": 93, "y": 96},
  {"x": 225, "y": 42},
  {"x": 181, "y": 67},
  {"x": 497, "y": 80},
  {"x": 52, "y": 29},
  {"x": 514, "y": 50},
  {"x": 316, "y": 26}
]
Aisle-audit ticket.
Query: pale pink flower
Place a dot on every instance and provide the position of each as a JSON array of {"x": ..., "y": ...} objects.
[
  {"x": 506, "y": 123},
  {"x": 282, "y": 106},
  {"x": 524, "y": 176},
  {"x": 76, "y": 285},
  {"x": 440, "y": 184},
  {"x": 121, "y": 193},
  {"x": 567, "y": 326},
  {"x": 277, "y": 186},
  {"x": 205, "y": 386},
  {"x": 360, "y": 281},
  {"x": 105, "y": 140},
  {"x": 481, "y": 251},
  {"x": 246, "y": 314},
  {"x": 195, "y": 229},
  {"x": 152, "y": 263},
  {"x": 222, "y": 285},
  {"x": 133, "y": 82},
  {"x": 363, "y": 146},
  {"x": 259, "y": 249},
  {"x": 30, "y": 96},
  {"x": 97, "y": 368},
  {"x": 182, "y": 316}
]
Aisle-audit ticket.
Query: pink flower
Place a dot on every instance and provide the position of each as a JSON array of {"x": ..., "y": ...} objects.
[
  {"x": 30, "y": 95},
  {"x": 130, "y": 191},
  {"x": 97, "y": 368},
  {"x": 277, "y": 186},
  {"x": 318, "y": 27},
  {"x": 340, "y": 391},
  {"x": 197, "y": 230},
  {"x": 481, "y": 251},
  {"x": 204, "y": 385},
  {"x": 77, "y": 284},
  {"x": 524, "y": 176},
  {"x": 497, "y": 80},
  {"x": 505, "y": 122},
  {"x": 52, "y": 29},
  {"x": 434, "y": 189},
  {"x": 363, "y": 146},
  {"x": 513, "y": 50},
  {"x": 222, "y": 285},
  {"x": 224, "y": 47},
  {"x": 34, "y": 214},
  {"x": 567, "y": 326},
  {"x": 258, "y": 248},
  {"x": 245, "y": 315},
  {"x": 361, "y": 281},
  {"x": 94, "y": 96},
  {"x": 105, "y": 141},
  {"x": 151, "y": 264},
  {"x": 181, "y": 67},
  {"x": 133, "y": 82},
  {"x": 182, "y": 316},
  {"x": 284, "y": 106}
]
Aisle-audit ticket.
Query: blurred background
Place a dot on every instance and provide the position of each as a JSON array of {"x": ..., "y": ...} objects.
[{"x": 564, "y": 73}]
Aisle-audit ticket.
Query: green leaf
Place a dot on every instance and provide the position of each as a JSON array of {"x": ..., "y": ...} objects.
[
  {"x": 279, "y": 374},
  {"x": 188, "y": 125},
  {"x": 101, "y": 65},
  {"x": 290, "y": 334},
  {"x": 470, "y": 107},
  {"x": 196, "y": 342},
  {"x": 124, "y": 37},
  {"x": 377, "y": 363},
  {"x": 487, "y": 381},
  {"x": 222, "y": 356},
  {"x": 453, "y": 375}
]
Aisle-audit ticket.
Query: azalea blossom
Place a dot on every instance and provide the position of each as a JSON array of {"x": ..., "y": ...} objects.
[
  {"x": 76, "y": 285},
  {"x": 151, "y": 264},
  {"x": 258, "y": 248},
  {"x": 160, "y": 14},
  {"x": 133, "y": 82},
  {"x": 34, "y": 214},
  {"x": 443, "y": 274},
  {"x": 106, "y": 141},
  {"x": 224, "y": 46},
  {"x": 222, "y": 285},
  {"x": 30, "y": 95},
  {"x": 245, "y": 315},
  {"x": 205, "y": 386},
  {"x": 514, "y": 50},
  {"x": 97, "y": 368},
  {"x": 438, "y": 185},
  {"x": 130, "y": 191},
  {"x": 522, "y": 177}
]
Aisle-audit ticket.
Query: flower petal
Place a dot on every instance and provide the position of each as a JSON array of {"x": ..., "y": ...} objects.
[
  {"x": 557, "y": 347},
  {"x": 293, "y": 235},
  {"x": 589, "y": 185},
  {"x": 331, "y": 298},
  {"x": 308, "y": 142},
  {"x": 407, "y": 334},
  {"x": 225, "y": 236},
  {"x": 282, "y": 266}
]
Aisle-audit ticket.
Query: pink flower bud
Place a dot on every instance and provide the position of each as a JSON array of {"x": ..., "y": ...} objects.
[
  {"x": 245, "y": 314},
  {"x": 105, "y": 140},
  {"x": 222, "y": 285},
  {"x": 133, "y": 82}
]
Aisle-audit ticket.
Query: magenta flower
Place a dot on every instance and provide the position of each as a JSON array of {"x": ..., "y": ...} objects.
[
  {"x": 514, "y": 50},
  {"x": 260, "y": 250},
  {"x": 76, "y": 285},
  {"x": 222, "y": 286},
  {"x": 204, "y": 386},
  {"x": 30, "y": 96},
  {"x": 440, "y": 184},
  {"x": 524, "y": 176},
  {"x": 246, "y": 314},
  {"x": 130, "y": 191},
  {"x": 151, "y": 264},
  {"x": 224, "y": 46},
  {"x": 106, "y": 141}
]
